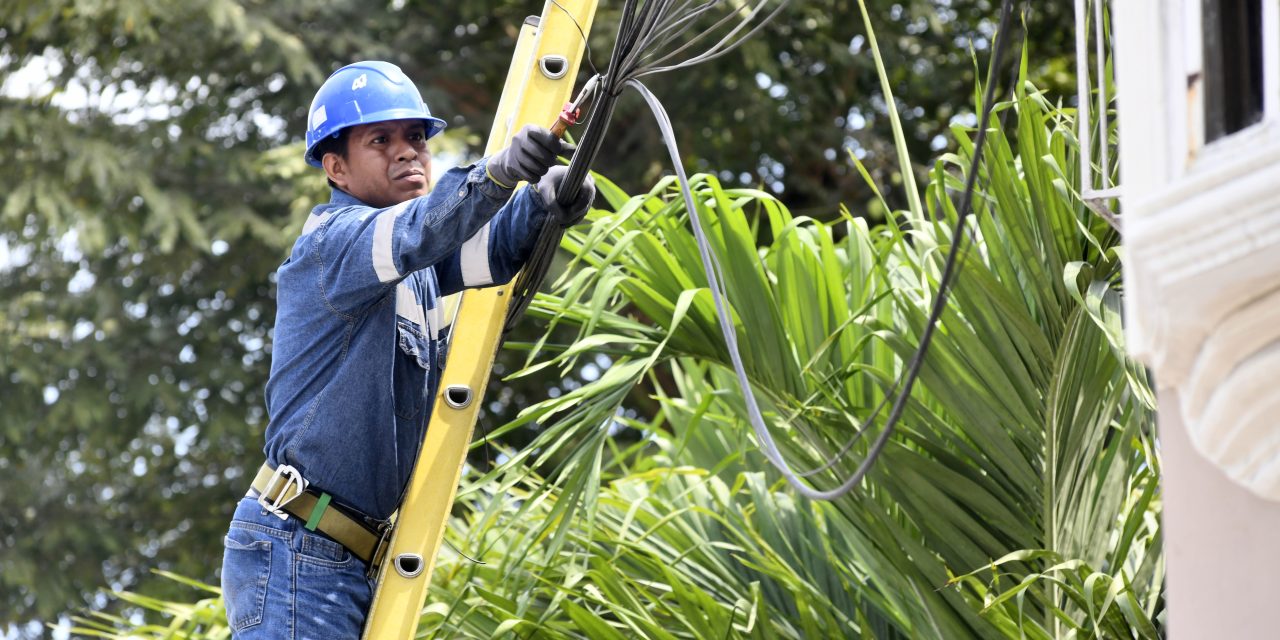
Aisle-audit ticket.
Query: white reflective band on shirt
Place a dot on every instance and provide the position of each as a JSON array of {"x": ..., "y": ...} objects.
[
  {"x": 474, "y": 258},
  {"x": 447, "y": 307},
  {"x": 436, "y": 321},
  {"x": 314, "y": 221},
  {"x": 383, "y": 235},
  {"x": 408, "y": 307}
]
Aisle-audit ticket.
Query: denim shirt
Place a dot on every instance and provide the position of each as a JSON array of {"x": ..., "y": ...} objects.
[{"x": 356, "y": 358}]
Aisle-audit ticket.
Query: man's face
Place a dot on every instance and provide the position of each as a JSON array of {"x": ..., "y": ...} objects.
[{"x": 386, "y": 164}]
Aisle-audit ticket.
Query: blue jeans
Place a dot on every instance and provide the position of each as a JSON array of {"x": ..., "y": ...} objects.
[{"x": 282, "y": 582}]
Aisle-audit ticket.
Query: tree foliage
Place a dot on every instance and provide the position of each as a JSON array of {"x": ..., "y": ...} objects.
[
  {"x": 155, "y": 183},
  {"x": 1018, "y": 499}
]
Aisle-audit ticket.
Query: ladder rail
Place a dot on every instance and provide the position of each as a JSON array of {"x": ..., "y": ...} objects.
[{"x": 531, "y": 95}]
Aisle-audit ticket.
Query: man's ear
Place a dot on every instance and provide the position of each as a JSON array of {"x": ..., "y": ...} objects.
[{"x": 335, "y": 166}]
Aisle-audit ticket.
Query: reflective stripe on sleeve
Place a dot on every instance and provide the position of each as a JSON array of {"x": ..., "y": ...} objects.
[
  {"x": 474, "y": 259},
  {"x": 383, "y": 236}
]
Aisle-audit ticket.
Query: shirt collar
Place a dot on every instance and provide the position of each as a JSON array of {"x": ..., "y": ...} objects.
[{"x": 343, "y": 199}]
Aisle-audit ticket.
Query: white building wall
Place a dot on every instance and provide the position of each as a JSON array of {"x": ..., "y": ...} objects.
[
  {"x": 1202, "y": 236},
  {"x": 1202, "y": 285},
  {"x": 1220, "y": 545}
]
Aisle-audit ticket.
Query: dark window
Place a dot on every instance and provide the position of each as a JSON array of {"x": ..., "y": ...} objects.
[{"x": 1232, "y": 66}]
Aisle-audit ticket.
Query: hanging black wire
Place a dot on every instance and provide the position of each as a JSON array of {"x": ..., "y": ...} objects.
[
  {"x": 948, "y": 270},
  {"x": 649, "y": 39},
  {"x": 715, "y": 279}
]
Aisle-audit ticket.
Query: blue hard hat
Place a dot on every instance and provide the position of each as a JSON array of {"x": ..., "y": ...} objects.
[{"x": 361, "y": 93}]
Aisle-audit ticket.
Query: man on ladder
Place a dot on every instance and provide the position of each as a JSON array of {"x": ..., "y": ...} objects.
[{"x": 356, "y": 355}]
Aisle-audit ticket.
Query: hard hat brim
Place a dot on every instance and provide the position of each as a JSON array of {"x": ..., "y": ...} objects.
[{"x": 434, "y": 126}]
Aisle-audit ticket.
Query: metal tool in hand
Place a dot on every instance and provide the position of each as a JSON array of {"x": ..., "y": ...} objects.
[{"x": 573, "y": 111}]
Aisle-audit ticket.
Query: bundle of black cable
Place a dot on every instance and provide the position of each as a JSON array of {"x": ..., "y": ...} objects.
[{"x": 544, "y": 249}]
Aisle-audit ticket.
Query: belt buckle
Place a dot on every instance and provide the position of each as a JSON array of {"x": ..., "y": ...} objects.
[{"x": 291, "y": 477}]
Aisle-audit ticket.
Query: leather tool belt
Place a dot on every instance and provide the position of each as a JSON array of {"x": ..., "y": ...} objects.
[{"x": 284, "y": 492}]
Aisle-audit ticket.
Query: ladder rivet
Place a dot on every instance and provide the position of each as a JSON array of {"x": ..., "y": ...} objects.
[
  {"x": 457, "y": 396},
  {"x": 553, "y": 66},
  {"x": 409, "y": 565}
]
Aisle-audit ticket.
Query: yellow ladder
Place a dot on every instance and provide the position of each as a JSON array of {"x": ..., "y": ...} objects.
[{"x": 538, "y": 84}]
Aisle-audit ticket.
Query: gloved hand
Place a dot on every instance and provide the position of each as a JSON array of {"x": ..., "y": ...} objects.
[
  {"x": 572, "y": 214},
  {"x": 532, "y": 151}
]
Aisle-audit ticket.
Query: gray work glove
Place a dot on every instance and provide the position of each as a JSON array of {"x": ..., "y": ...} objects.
[
  {"x": 572, "y": 214},
  {"x": 532, "y": 151}
]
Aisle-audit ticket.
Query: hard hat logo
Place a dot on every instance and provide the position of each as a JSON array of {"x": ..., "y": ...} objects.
[
  {"x": 363, "y": 93},
  {"x": 318, "y": 117}
]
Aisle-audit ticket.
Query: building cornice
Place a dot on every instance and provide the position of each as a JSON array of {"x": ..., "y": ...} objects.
[{"x": 1202, "y": 262}]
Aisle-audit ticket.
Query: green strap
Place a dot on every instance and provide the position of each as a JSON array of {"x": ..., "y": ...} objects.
[{"x": 321, "y": 505}]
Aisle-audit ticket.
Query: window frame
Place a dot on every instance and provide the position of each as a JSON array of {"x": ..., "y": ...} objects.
[{"x": 1202, "y": 154}]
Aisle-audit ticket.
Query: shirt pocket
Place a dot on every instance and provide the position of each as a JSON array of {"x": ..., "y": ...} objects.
[{"x": 412, "y": 363}]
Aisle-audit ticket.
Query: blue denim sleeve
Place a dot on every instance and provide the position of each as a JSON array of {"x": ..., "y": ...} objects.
[
  {"x": 365, "y": 252},
  {"x": 495, "y": 253}
]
